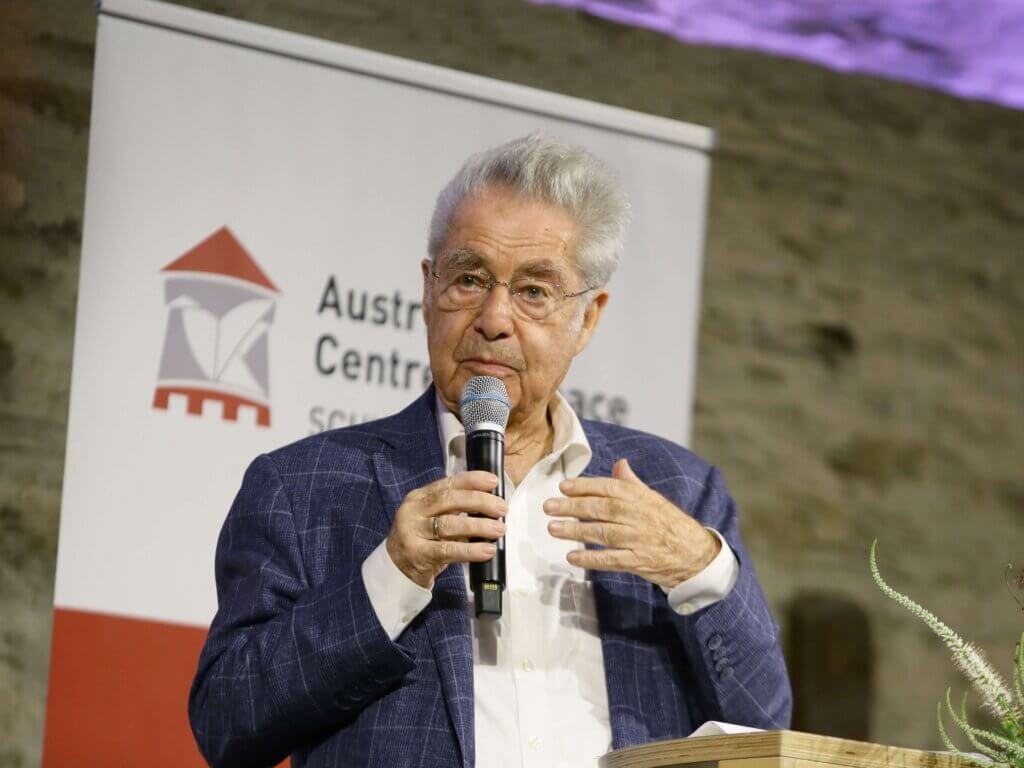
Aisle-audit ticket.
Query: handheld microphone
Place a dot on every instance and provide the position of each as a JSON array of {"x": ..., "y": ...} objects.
[{"x": 485, "y": 408}]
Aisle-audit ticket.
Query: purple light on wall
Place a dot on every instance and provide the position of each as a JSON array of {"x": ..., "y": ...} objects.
[{"x": 971, "y": 48}]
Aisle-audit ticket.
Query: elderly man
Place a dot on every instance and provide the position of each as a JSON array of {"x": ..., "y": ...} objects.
[{"x": 345, "y": 634}]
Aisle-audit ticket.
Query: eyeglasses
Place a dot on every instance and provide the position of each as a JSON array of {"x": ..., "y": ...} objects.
[{"x": 534, "y": 298}]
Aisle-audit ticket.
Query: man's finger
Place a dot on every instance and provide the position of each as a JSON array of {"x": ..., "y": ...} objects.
[
  {"x": 465, "y": 527},
  {"x": 584, "y": 508},
  {"x": 477, "y": 480},
  {"x": 622, "y": 470},
  {"x": 595, "y": 486},
  {"x": 464, "y": 552},
  {"x": 602, "y": 559},
  {"x": 454, "y": 500},
  {"x": 430, "y": 494},
  {"x": 608, "y": 535}
]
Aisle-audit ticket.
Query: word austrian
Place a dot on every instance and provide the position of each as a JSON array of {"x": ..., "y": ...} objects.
[{"x": 361, "y": 306}]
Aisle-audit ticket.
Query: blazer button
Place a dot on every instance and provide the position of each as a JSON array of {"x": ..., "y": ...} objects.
[
  {"x": 722, "y": 664},
  {"x": 715, "y": 642},
  {"x": 726, "y": 673}
]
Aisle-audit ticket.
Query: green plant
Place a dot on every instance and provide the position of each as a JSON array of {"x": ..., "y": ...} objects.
[{"x": 1005, "y": 745}]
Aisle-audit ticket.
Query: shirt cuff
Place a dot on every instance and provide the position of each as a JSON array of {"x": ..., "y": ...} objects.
[
  {"x": 396, "y": 599},
  {"x": 709, "y": 586}
]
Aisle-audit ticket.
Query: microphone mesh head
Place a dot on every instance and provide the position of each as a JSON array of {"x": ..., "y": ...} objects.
[{"x": 484, "y": 399}]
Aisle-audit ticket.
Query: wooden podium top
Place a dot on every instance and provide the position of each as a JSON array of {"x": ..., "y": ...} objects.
[{"x": 773, "y": 749}]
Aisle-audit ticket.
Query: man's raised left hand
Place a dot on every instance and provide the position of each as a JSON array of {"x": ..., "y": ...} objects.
[{"x": 645, "y": 533}]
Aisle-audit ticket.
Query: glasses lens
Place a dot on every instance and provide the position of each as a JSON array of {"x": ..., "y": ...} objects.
[
  {"x": 534, "y": 297},
  {"x": 463, "y": 288}
]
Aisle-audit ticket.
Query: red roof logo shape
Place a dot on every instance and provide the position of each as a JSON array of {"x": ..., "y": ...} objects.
[{"x": 222, "y": 254}]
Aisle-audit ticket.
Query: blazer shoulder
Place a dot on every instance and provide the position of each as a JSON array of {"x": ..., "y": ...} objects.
[
  {"x": 358, "y": 439},
  {"x": 393, "y": 431},
  {"x": 642, "y": 447},
  {"x": 661, "y": 463}
]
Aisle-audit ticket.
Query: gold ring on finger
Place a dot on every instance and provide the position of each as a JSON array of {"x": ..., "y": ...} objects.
[{"x": 435, "y": 526}]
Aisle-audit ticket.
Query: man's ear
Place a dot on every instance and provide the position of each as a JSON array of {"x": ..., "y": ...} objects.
[{"x": 591, "y": 316}]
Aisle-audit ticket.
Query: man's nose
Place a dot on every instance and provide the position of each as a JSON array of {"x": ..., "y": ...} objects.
[{"x": 494, "y": 319}]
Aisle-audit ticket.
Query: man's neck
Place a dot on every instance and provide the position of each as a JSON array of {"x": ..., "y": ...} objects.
[{"x": 527, "y": 441}]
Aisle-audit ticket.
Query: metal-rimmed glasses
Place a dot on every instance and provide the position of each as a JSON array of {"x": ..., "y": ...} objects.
[{"x": 534, "y": 298}]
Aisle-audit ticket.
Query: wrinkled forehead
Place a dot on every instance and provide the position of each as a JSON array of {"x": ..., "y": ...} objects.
[
  {"x": 534, "y": 264},
  {"x": 502, "y": 229}
]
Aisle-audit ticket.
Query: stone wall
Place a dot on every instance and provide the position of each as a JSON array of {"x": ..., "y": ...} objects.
[
  {"x": 46, "y": 57},
  {"x": 861, "y": 365}
]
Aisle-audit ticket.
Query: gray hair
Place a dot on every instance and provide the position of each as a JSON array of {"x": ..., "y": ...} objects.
[{"x": 541, "y": 168}]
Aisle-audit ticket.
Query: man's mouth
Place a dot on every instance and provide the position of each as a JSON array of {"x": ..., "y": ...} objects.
[{"x": 494, "y": 367}]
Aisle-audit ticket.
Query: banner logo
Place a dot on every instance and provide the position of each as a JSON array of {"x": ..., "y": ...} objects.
[{"x": 220, "y": 306}]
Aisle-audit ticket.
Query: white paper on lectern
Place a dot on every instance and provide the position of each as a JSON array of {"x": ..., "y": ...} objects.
[{"x": 716, "y": 728}]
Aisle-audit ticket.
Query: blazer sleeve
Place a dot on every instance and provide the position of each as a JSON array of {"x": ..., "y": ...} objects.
[
  {"x": 284, "y": 660},
  {"x": 733, "y": 645}
]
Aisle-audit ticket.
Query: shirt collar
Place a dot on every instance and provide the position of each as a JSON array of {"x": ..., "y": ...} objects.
[{"x": 568, "y": 443}]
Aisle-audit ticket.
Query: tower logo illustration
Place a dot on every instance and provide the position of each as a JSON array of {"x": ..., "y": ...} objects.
[{"x": 220, "y": 308}]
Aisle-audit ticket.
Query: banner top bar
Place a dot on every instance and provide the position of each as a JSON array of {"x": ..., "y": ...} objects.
[{"x": 397, "y": 69}]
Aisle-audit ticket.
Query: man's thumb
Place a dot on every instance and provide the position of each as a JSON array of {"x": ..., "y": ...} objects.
[{"x": 622, "y": 471}]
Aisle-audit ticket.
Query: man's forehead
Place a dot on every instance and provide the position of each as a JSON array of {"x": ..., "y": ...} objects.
[
  {"x": 520, "y": 261},
  {"x": 507, "y": 217},
  {"x": 498, "y": 235},
  {"x": 508, "y": 232}
]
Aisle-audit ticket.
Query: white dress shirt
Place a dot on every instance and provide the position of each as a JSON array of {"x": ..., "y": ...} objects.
[{"x": 538, "y": 672}]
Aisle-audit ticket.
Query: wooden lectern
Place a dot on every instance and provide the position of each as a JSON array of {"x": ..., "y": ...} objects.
[{"x": 773, "y": 749}]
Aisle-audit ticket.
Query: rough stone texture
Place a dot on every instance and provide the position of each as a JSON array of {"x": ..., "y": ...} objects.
[
  {"x": 861, "y": 368},
  {"x": 830, "y": 648},
  {"x": 45, "y": 82}
]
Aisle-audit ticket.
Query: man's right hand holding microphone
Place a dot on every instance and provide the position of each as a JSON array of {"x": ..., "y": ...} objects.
[{"x": 430, "y": 532}]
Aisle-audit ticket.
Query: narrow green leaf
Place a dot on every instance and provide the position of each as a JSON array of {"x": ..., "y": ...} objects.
[{"x": 995, "y": 750}]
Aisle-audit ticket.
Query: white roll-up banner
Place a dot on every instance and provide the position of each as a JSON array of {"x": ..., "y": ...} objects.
[{"x": 257, "y": 206}]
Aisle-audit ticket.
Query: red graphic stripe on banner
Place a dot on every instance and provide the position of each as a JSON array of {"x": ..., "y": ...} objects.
[{"x": 118, "y": 692}]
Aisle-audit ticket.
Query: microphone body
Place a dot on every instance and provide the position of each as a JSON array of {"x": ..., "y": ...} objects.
[
  {"x": 485, "y": 450},
  {"x": 485, "y": 410}
]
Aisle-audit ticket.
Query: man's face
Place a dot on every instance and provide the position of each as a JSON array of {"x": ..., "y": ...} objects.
[{"x": 509, "y": 236}]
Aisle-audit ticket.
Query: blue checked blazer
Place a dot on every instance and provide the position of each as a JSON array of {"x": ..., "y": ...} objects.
[{"x": 297, "y": 663}]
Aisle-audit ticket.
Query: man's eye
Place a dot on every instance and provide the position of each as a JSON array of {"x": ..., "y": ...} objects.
[
  {"x": 469, "y": 281},
  {"x": 535, "y": 292}
]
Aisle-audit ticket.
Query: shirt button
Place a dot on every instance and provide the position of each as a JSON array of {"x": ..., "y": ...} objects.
[
  {"x": 528, "y": 665},
  {"x": 687, "y": 608},
  {"x": 534, "y": 743}
]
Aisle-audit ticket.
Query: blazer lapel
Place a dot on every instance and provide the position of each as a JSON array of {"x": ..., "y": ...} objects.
[
  {"x": 415, "y": 460},
  {"x": 624, "y": 611}
]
